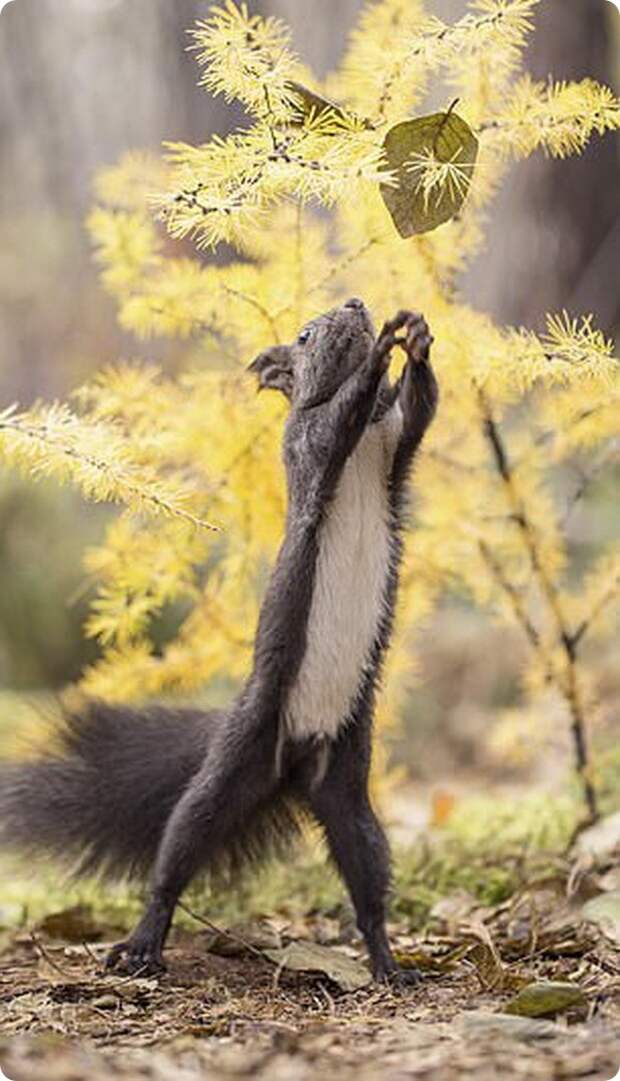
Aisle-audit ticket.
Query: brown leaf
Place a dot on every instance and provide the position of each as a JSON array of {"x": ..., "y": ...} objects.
[
  {"x": 72, "y": 925},
  {"x": 348, "y": 974}
]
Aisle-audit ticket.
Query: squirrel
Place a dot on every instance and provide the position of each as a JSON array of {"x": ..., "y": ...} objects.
[{"x": 166, "y": 793}]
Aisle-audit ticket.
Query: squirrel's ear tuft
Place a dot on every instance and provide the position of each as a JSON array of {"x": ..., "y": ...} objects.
[{"x": 274, "y": 370}]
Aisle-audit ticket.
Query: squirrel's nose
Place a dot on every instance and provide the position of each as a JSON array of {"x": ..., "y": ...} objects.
[{"x": 354, "y": 302}]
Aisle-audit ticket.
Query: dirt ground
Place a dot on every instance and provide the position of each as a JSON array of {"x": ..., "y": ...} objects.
[
  {"x": 521, "y": 981},
  {"x": 214, "y": 1016}
]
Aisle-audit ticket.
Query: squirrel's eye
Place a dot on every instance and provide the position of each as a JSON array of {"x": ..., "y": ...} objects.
[{"x": 304, "y": 336}]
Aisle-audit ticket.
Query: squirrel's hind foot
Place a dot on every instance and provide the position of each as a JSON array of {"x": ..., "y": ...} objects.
[
  {"x": 135, "y": 958},
  {"x": 399, "y": 979}
]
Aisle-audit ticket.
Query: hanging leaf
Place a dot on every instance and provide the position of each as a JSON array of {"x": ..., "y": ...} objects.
[{"x": 433, "y": 160}]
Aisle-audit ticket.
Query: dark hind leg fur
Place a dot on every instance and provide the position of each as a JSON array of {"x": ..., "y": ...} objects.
[
  {"x": 210, "y": 818},
  {"x": 358, "y": 844}
]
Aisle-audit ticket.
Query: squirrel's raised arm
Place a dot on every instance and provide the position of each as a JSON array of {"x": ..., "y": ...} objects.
[{"x": 416, "y": 393}]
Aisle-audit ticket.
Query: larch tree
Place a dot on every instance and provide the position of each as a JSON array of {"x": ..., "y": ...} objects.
[{"x": 192, "y": 456}]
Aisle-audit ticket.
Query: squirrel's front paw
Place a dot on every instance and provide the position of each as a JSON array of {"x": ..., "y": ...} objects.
[{"x": 416, "y": 341}]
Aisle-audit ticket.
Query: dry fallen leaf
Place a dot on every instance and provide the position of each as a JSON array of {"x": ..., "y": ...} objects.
[
  {"x": 348, "y": 974},
  {"x": 72, "y": 925}
]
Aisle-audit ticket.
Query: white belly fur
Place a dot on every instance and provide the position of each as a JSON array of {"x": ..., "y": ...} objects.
[{"x": 349, "y": 588}]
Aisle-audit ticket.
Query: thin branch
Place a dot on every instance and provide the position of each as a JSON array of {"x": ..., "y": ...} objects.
[
  {"x": 260, "y": 308},
  {"x": 570, "y": 689},
  {"x": 336, "y": 269},
  {"x": 242, "y": 187},
  {"x": 43, "y": 953},
  {"x": 548, "y": 434},
  {"x": 603, "y": 601},
  {"x": 220, "y": 931},
  {"x": 551, "y": 124},
  {"x": 15, "y": 424},
  {"x": 453, "y": 30},
  {"x": 513, "y": 595},
  {"x": 588, "y": 477}
]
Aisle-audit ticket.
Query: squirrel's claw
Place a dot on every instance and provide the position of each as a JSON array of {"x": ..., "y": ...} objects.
[
  {"x": 134, "y": 960},
  {"x": 416, "y": 341},
  {"x": 399, "y": 979}
]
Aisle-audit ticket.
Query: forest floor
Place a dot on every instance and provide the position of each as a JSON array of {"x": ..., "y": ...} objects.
[
  {"x": 233, "y": 1017},
  {"x": 521, "y": 980}
]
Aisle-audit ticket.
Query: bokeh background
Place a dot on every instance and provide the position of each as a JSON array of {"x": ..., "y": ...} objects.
[{"x": 81, "y": 81}]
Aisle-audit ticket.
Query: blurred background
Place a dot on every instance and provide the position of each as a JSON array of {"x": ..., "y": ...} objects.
[{"x": 81, "y": 81}]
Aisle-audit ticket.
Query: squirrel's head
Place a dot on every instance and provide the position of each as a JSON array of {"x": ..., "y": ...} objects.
[{"x": 326, "y": 352}]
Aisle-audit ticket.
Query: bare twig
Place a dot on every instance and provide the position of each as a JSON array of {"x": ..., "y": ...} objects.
[
  {"x": 43, "y": 953},
  {"x": 587, "y": 477},
  {"x": 91, "y": 954},
  {"x": 220, "y": 931},
  {"x": 260, "y": 308},
  {"x": 585, "y": 624}
]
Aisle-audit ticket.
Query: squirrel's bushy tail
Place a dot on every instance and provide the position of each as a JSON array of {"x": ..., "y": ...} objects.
[{"x": 101, "y": 800}]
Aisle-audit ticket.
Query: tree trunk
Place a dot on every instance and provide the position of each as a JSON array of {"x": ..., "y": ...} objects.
[{"x": 555, "y": 232}]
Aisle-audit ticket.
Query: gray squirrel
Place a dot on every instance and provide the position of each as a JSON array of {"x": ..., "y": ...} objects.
[{"x": 167, "y": 793}]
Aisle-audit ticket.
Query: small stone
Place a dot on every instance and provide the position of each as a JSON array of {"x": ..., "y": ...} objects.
[
  {"x": 546, "y": 998},
  {"x": 604, "y": 911},
  {"x": 106, "y": 1002},
  {"x": 600, "y": 840},
  {"x": 510, "y": 1025}
]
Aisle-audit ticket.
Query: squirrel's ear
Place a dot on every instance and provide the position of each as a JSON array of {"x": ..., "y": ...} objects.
[{"x": 274, "y": 370}]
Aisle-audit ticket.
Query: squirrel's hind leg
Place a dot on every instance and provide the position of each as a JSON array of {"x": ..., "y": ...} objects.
[
  {"x": 237, "y": 777},
  {"x": 358, "y": 845}
]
